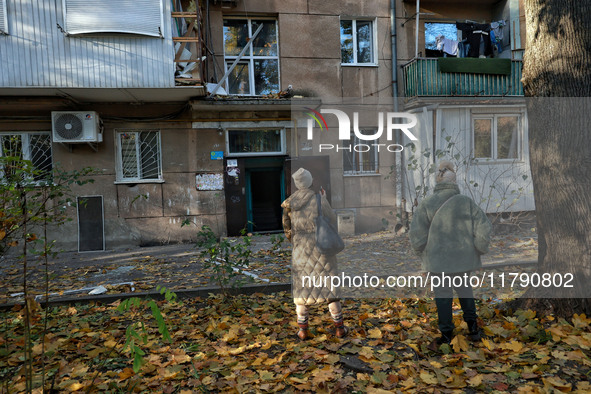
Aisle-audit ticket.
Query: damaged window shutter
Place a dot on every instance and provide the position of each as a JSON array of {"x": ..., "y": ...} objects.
[
  {"x": 3, "y": 17},
  {"x": 114, "y": 16}
]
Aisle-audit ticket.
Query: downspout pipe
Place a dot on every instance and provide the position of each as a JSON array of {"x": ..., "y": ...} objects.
[{"x": 398, "y": 136}]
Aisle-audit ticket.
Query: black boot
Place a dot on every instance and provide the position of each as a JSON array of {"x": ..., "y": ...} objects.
[
  {"x": 474, "y": 332},
  {"x": 446, "y": 337}
]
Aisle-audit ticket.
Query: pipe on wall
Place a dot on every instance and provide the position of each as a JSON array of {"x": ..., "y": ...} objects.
[{"x": 398, "y": 135}]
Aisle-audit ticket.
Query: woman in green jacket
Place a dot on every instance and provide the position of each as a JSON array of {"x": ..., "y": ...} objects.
[{"x": 451, "y": 232}]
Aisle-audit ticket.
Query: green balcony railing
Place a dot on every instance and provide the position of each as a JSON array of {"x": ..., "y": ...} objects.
[{"x": 422, "y": 77}]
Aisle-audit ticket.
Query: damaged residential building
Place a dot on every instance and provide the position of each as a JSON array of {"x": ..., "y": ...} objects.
[{"x": 185, "y": 107}]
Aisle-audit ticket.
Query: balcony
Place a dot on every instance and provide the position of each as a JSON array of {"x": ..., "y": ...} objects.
[
  {"x": 423, "y": 78},
  {"x": 188, "y": 48}
]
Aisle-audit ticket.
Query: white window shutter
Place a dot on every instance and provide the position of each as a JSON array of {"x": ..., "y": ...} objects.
[
  {"x": 3, "y": 17},
  {"x": 114, "y": 16}
]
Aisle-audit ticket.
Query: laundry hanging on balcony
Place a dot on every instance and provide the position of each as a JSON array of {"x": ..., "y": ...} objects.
[
  {"x": 497, "y": 32},
  {"x": 478, "y": 37},
  {"x": 447, "y": 45}
]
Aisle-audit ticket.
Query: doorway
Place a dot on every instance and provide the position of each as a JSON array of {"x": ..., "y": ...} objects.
[
  {"x": 254, "y": 191},
  {"x": 264, "y": 194}
]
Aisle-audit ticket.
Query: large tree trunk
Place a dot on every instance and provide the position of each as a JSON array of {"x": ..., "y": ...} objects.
[{"x": 557, "y": 64}]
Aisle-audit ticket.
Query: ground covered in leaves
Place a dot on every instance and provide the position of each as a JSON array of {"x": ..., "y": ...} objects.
[
  {"x": 181, "y": 267},
  {"x": 247, "y": 344}
]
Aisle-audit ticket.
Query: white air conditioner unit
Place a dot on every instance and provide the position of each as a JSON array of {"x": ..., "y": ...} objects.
[{"x": 76, "y": 127}]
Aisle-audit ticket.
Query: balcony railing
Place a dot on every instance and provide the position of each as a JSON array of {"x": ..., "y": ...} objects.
[{"x": 422, "y": 78}]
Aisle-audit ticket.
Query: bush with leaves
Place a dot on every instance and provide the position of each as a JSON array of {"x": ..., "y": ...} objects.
[
  {"x": 136, "y": 333},
  {"x": 225, "y": 259}
]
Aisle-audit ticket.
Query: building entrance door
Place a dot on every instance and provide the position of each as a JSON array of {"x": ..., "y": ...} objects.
[{"x": 254, "y": 195}]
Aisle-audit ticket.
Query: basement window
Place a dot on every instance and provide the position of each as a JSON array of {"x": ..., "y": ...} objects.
[{"x": 142, "y": 17}]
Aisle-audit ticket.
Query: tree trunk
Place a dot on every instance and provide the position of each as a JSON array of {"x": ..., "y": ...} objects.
[{"x": 557, "y": 84}]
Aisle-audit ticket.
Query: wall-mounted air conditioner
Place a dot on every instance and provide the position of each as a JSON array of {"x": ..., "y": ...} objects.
[{"x": 76, "y": 127}]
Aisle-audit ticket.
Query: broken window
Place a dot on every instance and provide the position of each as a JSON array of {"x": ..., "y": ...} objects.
[
  {"x": 114, "y": 16},
  {"x": 31, "y": 146},
  {"x": 138, "y": 156},
  {"x": 360, "y": 156},
  {"x": 496, "y": 137},
  {"x": 257, "y": 71},
  {"x": 358, "y": 42}
]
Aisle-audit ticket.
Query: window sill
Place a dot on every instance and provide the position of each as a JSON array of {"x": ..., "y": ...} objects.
[
  {"x": 360, "y": 65},
  {"x": 130, "y": 182}
]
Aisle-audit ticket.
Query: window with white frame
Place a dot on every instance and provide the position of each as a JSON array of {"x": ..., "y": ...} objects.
[
  {"x": 358, "y": 42},
  {"x": 32, "y": 146},
  {"x": 257, "y": 71},
  {"x": 138, "y": 156},
  {"x": 496, "y": 137},
  {"x": 360, "y": 156},
  {"x": 114, "y": 16},
  {"x": 259, "y": 142},
  {"x": 3, "y": 17}
]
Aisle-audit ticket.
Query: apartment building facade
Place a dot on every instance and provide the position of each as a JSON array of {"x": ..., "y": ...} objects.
[{"x": 186, "y": 109}]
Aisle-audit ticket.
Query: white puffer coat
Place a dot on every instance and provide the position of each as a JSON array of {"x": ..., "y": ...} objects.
[{"x": 299, "y": 222}]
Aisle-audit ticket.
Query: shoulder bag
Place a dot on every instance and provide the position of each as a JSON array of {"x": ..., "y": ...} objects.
[{"x": 328, "y": 240}]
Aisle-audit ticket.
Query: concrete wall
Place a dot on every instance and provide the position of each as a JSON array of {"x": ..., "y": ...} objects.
[
  {"x": 130, "y": 218},
  {"x": 309, "y": 45},
  {"x": 310, "y": 61},
  {"x": 497, "y": 186}
]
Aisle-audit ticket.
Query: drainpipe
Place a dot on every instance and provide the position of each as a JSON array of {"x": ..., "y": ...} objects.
[
  {"x": 418, "y": 15},
  {"x": 398, "y": 136}
]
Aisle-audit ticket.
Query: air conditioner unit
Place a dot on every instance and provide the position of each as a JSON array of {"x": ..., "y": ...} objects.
[{"x": 76, "y": 127}]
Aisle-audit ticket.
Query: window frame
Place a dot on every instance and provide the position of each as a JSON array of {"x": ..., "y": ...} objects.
[
  {"x": 25, "y": 144},
  {"x": 282, "y": 134},
  {"x": 119, "y": 158},
  {"x": 458, "y": 36},
  {"x": 494, "y": 137},
  {"x": 3, "y": 17},
  {"x": 249, "y": 57},
  {"x": 374, "y": 33},
  {"x": 83, "y": 28},
  {"x": 354, "y": 141}
]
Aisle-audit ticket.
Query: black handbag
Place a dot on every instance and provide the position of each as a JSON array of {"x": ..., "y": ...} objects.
[{"x": 328, "y": 240}]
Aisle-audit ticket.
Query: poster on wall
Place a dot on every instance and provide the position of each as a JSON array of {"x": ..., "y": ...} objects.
[{"x": 209, "y": 182}]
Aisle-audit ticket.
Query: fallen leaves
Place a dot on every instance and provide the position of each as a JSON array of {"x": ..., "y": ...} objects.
[{"x": 248, "y": 344}]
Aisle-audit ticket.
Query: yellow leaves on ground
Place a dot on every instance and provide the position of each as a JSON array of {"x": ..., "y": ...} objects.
[
  {"x": 247, "y": 344},
  {"x": 428, "y": 378},
  {"x": 475, "y": 380},
  {"x": 512, "y": 345},
  {"x": 557, "y": 383},
  {"x": 374, "y": 333},
  {"x": 459, "y": 343}
]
